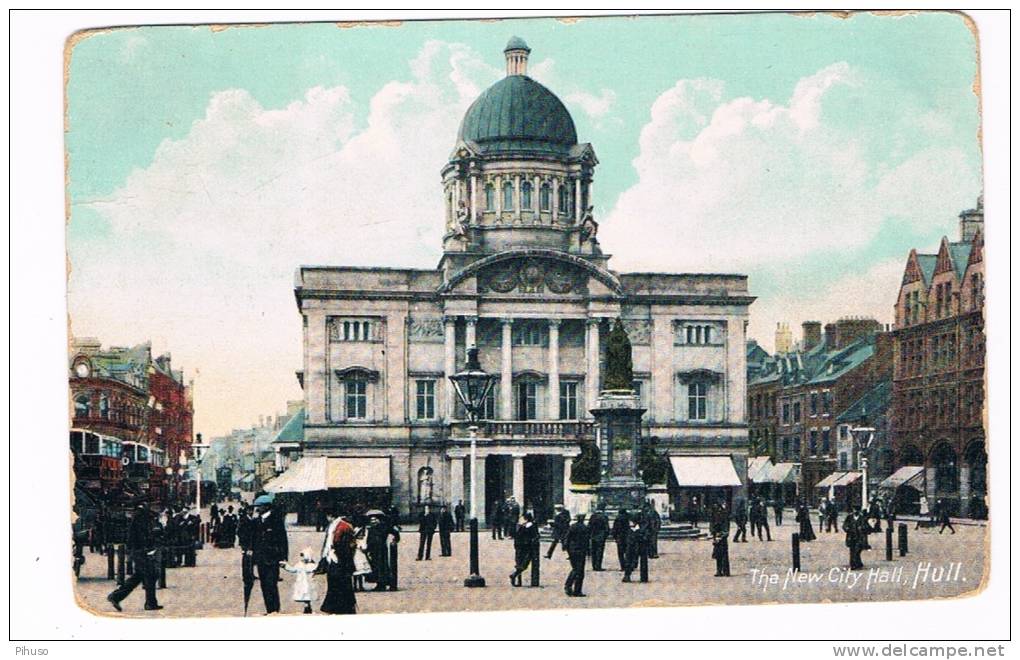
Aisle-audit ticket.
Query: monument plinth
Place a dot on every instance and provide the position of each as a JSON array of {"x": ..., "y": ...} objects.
[{"x": 617, "y": 415}]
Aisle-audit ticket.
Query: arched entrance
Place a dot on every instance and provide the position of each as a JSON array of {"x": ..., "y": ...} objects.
[
  {"x": 975, "y": 480},
  {"x": 945, "y": 477}
]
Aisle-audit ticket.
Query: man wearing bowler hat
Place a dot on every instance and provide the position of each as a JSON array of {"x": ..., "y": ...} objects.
[{"x": 268, "y": 549}]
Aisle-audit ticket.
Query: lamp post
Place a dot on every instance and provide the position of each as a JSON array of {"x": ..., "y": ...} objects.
[
  {"x": 863, "y": 437},
  {"x": 472, "y": 386},
  {"x": 197, "y": 449}
]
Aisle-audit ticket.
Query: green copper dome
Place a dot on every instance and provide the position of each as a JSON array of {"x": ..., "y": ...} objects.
[{"x": 518, "y": 115}]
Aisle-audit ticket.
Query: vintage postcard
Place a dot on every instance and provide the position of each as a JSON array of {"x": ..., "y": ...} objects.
[{"x": 526, "y": 314}]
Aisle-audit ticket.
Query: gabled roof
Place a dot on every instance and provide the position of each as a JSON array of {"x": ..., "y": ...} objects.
[
  {"x": 838, "y": 363},
  {"x": 927, "y": 264},
  {"x": 293, "y": 430}
]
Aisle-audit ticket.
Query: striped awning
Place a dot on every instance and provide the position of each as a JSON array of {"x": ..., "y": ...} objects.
[
  {"x": 701, "y": 471},
  {"x": 315, "y": 473},
  {"x": 829, "y": 480}
]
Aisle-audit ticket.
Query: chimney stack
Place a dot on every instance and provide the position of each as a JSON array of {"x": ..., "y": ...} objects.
[{"x": 812, "y": 334}]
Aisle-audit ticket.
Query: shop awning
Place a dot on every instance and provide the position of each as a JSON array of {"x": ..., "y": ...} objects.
[
  {"x": 847, "y": 479},
  {"x": 785, "y": 473},
  {"x": 830, "y": 480},
  {"x": 698, "y": 471},
  {"x": 758, "y": 469},
  {"x": 314, "y": 473},
  {"x": 908, "y": 475}
]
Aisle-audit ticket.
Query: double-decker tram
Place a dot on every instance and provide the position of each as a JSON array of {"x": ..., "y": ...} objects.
[{"x": 98, "y": 459}]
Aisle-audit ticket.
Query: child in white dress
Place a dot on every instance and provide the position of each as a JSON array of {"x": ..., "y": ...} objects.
[{"x": 304, "y": 589}]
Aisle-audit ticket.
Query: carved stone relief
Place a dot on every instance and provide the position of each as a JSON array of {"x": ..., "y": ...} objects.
[
  {"x": 426, "y": 331},
  {"x": 533, "y": 276}
]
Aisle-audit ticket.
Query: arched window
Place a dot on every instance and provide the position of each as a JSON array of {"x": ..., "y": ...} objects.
[
  {"x": 82, "y": 406},
  {"x": 564, "y": 200},
  {"x": 508, "y": 196},
  {"x": 104, "y": 407},
  {"x": 526, "y": 196},
  {"x": 545, "y": 197},
  {"x": 490, "y": 197}
]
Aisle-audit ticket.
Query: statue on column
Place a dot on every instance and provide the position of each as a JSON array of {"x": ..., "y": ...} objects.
[
  {"x": 619, "y": 365},
  {"x": 463, "y": 220}
]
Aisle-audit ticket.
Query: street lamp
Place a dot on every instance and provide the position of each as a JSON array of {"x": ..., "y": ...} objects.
[
  {"x": 863, "y": 437},
  {"x": 473, "y": 386},
  {"x": 197, "y": 449}
]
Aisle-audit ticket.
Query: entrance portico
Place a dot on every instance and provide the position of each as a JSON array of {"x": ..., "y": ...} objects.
[{"x": 537, "y": 475}]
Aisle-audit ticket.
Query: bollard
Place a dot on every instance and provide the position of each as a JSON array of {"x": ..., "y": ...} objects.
[
  {"x": 121, "y": 564},
  {"x": 394, "y": 566},
  {"x": 903, "y": 539},
  {"x": 110, "y": 572},
  {"x": 888, "y": 543},
  {"x": 162, "y": 569},
  {"x": 643, "y": 564},
  {"x": 795, "y": 543},
  {"x": 475, "y": 579},
  {"x": 536, "y": 565}
]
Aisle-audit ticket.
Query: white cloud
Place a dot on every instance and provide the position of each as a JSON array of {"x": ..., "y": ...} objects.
[
  {"x": 728, "y": 185},
  {"x": 593, "y": 105},
  {"x": 871, "y": 293},
  {"x": 204, "y": 241}
]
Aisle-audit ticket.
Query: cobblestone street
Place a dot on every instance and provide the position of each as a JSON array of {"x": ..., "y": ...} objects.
[{"x": 683, "y": 575}]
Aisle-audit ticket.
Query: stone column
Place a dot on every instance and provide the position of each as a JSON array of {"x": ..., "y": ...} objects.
[
  {"x": 517, "y": 197},
  {"x": 536, "y": 198},
  {"x": 592, "y": 359},
  {"x": 474, "y": 197},
  {"x": 591, "y": 197},
  {"x": 450, "y": 363},
  {"x": 506, "y": 374},
  {"x": 456, "y": 480},
  {"x": 555, "y": 199},
  {"x": 554, "y": 369},
  {"x": 567, "y": 462},
  {"x": 469, "y": 332},
  {"x": 497, "y": 184},
  {"x": 577, "y": 199},
  {"x": 518, "y": 490}
]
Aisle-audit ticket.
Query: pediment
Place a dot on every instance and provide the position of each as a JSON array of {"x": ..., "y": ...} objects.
[{"x": 534, "y": 272}]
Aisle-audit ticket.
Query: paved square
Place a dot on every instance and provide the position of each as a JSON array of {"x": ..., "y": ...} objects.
[{"x": 936, "y": 567}]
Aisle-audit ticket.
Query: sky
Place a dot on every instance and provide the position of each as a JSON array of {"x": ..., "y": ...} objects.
[{"x": 204, "y": 166}]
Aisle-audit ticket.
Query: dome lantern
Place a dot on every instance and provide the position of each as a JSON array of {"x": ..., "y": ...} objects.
[{"x": 516, "y": 52}]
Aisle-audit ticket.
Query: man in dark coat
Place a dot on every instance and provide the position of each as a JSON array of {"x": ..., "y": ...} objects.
[
  {"x": 560, "y": 526},
  {"x": 720, "y": 529},
  {"x": 245, "y": 528},
  {"x": 576, "y": 542},
  {"x": 621, "y": 534},
  {"x": 853, "y": 526},
  {"x": 652, "y": 523},
  {"x": 143, "y": 541},
  {"x": 172, "y": 539},
  {"x": 268, "y": 548},
  {"x": 525, "y": 547},
  {"x": 189, "y": 529},
  {"x": 636, "y": 546},
  {"x": 426, "y": 530},
  {"x": 497, "y": 520},
  {"x": 458, "y": 515},
  {"x": 513, "y": 518},
  {"x": 760, "y": 519},
  {"x": 740, "y": 519},
  {"x": 777, "y": 507},
  {"x": 831, "y": 516},
  {"x": 943, "y": 517},
  {"x": 598, "y": 527},
  {"x": 446, "y": 524}
]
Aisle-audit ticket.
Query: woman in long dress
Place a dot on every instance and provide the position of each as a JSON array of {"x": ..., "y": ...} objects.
[{"x": 338, "y": 553}]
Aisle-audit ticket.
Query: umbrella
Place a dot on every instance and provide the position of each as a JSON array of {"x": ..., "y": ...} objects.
[{"x": 248, "y": 577}]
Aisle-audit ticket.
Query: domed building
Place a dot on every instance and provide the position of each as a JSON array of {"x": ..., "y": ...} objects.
[{"x": 524, "y": 279}]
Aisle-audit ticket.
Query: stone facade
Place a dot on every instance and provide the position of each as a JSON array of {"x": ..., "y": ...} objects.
[{"x": 528, "y": 284}]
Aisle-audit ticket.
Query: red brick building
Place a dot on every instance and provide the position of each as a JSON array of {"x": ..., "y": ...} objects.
[{"x": 938, "y": 382}]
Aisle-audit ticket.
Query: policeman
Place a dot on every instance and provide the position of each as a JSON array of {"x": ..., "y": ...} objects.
[
  {"x": 598, "y": 527},
  {"x": 576, "y": 542}
]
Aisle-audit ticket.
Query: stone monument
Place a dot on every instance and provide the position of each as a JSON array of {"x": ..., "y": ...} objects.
[{"x": 617, "y": 415}]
